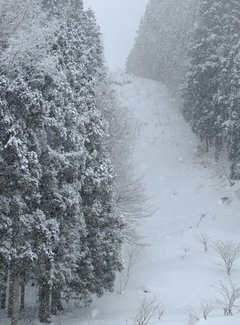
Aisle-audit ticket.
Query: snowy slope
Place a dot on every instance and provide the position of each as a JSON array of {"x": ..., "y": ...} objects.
[
  {"x": 186, "y": 194},
  {"x": 188, "y": 198}
]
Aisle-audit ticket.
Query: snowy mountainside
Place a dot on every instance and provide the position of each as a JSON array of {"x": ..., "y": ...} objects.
[{"x": 190, "y": 199}]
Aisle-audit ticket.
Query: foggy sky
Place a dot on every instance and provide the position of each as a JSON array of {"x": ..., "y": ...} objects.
[{"x": 119, "y": 20}]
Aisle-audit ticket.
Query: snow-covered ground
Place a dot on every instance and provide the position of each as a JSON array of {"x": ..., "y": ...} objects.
[{"x": 189, "y": 199}]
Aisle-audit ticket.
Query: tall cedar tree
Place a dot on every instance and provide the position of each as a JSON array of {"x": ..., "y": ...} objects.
[
  {"x": 27, "y": 232},
  {"x": 204, "y": 74}
]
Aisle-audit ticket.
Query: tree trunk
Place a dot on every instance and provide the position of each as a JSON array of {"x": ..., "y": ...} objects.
[
  {"x": 13, "y": 303},
  {"x": 22, "y": 304},
  {"x": 56, "y": 300},
  {"x": 44, "y": 302},
  {"x": 4, "y": 298},
  {"x": 10, "y": 297},
  {"x": 4, "y": 293}
]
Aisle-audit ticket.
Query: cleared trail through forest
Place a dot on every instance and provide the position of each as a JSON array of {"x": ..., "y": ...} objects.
[{"x": 187, "y": 196}]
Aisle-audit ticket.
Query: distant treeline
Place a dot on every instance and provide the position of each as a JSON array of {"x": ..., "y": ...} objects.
[{"x": 194, "y": 47}]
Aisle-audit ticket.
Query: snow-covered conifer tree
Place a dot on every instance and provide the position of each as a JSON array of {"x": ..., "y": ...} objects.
[{"x": 205, "y": 69}]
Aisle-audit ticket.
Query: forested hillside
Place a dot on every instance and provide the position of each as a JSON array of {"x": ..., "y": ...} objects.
[
  {"x": 160, "y": 51},
  {"x": 194, "y": 47},
  {"x": 211, "y": 94},
  {"x": 61, "y": 215}
]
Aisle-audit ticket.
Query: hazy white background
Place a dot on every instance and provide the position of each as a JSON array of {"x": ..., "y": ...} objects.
[{"x": 119, "y": 20}]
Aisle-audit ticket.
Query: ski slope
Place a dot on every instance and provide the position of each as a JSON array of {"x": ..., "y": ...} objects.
[{"x": 190, "y": 196}]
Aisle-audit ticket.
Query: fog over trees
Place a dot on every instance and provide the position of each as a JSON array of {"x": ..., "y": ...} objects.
[
  {"x": 160, "y": 51},
  {"x": 193, "y": 46}
]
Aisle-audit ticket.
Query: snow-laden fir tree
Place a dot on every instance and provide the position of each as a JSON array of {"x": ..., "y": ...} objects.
[
  {"x": 99, "y": 257},
  {"x": 205, "y": 69},
  {"x": 231, "y": 122},
  {"x": 28, "y": 232},
  {"x": 88, "y": 252},
  {"x": 227, "y": 96}
]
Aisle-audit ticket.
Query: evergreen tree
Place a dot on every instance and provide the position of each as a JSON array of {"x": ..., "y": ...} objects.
[
  {"x": 86, "y": 266},
  {"x": 203, "y": 79},
  {"x": 211, "y": 98},
  {"x": 28, "y": 233},
  {"x": 227, "y": 97},
  {"x": 231, "y": 123},
  {"x": 84, "y": 72}
]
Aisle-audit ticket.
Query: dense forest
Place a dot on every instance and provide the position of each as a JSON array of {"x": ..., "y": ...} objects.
[
  {"x": 63, "y": 164},
  {"x": 160, "y": 51},
  {"x": 194, "y": 47}
]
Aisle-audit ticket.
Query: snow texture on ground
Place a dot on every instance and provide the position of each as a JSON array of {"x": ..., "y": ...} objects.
[{"x": 190, "y": 196}]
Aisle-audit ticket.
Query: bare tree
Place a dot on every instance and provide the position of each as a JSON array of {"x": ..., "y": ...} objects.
[
  {"x": 229, "y": 297},
  {"x": 204, "y": 240},
  {"x": 132, "y": 202},
  {"x": 229, "y": 253},
  {"x": 207, "y": 308},
  {"x": 200, "y": 220},
  {"x": 147, "y": 310},
  {"x": 186, "y": 250},
  {"x": 231, "y": 183},
  {"x": 11, "y": 17},
  {"x": 130, "y": 198},
  {"x": 193, "y": 316},
  {"x": 132, "y": 257}
]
